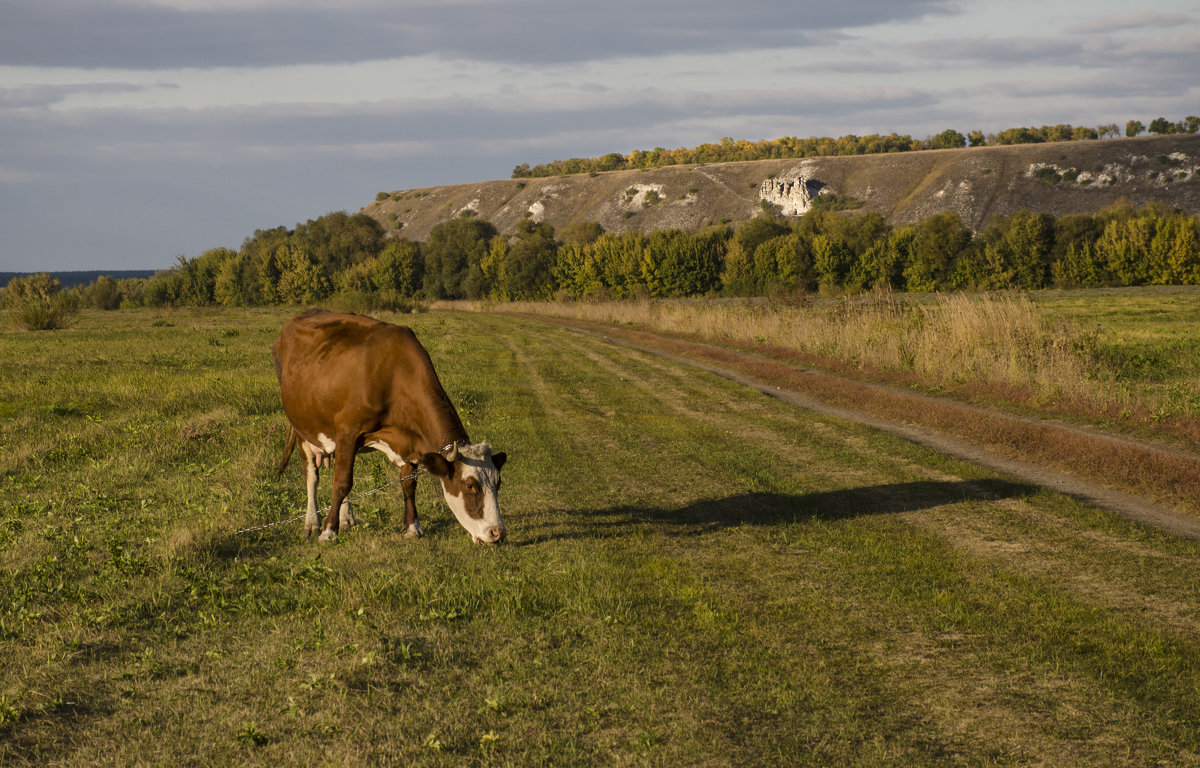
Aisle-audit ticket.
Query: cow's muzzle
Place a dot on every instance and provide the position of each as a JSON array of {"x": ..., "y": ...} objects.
[{"x": 493, "y": 535}]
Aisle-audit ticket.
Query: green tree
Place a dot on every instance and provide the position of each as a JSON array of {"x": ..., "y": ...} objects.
[
  {"x": 1172, "y": 256},
  {"x": 1134, "y": 128},
  {"x": 883, "y": 264},
  {"x": 260, "y": 268},
  {"x": 1078, "y": 267},
  {"x": 338, "y": 240},
  {"x": 1020, "y": 136},
  {"x": 1124, "y": 245},
  {"x": 739, "y": 276},
  {"x": 948, "y": 139},
  {"x": 832, "y": 260},
  {"x": 104, "y": 294},
  {"x": 357, "y": 278},
  {"x": 301, "y": 279},
  {"x": 529, "y": 267},
  {"x": 934, "y": 250},
  {"x": 399, "y": 267},
  {"x": 229, "y": 286},
  {"x": 1161, "y": 126},
  {"x": 620, "y": 260},
  {"x": 577, "y": 272},
  {"x": 452, "y": 256},
  {"x": 677, "y": 263},
  {"x": 195, "y": 280},
  {"x": 785, "y": 262},
  {"x": 1016, "y": 251}
]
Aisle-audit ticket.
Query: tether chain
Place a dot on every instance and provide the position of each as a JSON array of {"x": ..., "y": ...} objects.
[{"x": 411, "y": 476}]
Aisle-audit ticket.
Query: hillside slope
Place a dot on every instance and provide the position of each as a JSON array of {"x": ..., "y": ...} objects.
[{"x": 979, "y": 183}]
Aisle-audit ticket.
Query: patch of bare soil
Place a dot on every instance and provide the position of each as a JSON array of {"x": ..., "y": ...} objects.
[{"x": 1149, "y": 484}]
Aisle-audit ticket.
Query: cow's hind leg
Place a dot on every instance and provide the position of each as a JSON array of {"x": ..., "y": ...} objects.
[
  {"x": 347, "y": 514},
  {"x": 408, "y": 483},
  {"x": 312, "y": 471}
]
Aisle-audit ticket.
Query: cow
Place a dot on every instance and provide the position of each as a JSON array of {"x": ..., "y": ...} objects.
[{"x": 351, "y": 383}]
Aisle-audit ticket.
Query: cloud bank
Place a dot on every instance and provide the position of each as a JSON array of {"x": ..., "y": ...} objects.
[{"x": 139, "y": 130}]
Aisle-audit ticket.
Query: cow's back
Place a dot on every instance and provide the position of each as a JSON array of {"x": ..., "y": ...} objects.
[{"x": 336, "y": 370}]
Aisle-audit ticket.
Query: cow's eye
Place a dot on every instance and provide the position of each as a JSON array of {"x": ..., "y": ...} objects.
[{"x": 472, "y": 487}]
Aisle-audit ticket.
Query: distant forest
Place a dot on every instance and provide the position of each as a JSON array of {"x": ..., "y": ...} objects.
[
  {"x": 72, "y": 278},
  {"x": 730, "y": 150},
  {"x": 346, "y": 261}
]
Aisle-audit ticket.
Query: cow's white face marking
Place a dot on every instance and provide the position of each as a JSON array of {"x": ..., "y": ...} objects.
[{"x": 472, "y": 494}]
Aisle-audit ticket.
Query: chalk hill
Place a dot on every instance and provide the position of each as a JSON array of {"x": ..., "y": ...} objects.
[{"x": 979, "y": 183}]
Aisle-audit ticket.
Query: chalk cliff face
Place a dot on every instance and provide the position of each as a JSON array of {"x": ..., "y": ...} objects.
[
  {"x": 792, "y": 191},
  {"x": 978, "y": 184}
]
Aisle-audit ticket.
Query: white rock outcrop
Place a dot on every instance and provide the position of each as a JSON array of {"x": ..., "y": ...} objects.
[{"x": 792, "y": 191}]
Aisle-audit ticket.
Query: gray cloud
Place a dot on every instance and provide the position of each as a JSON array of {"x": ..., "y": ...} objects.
[
  {"x": 91, "y": 34},
  {"x": 1160, "y": 57},
  {"x": 40, "y": 96},
  {"x": 1132, "y": 21},
  {"x": 136, "y": 188}
]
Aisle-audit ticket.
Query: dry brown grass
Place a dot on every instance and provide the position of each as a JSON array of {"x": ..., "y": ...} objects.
[
  {"x": 994, "y": 346},
  {"x": 1167, "y": 476}
]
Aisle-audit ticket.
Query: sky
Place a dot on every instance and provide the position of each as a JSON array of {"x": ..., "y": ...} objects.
[{"x": 133, "y": 132}]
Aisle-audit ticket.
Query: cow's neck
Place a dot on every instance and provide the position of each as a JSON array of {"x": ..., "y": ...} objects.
[{"x": 442, "y": 425}]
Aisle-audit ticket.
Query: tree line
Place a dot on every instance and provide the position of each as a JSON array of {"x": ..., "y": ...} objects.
[
  {"x": 731, "y": 150},
  {"x": 346, "y": 260}
]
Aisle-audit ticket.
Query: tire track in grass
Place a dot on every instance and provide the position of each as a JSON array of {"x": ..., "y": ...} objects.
[
  {"x": 1035, "y": 544},
  {"x": 1133, "y": 507},
  {"x": 800, "y": 447},
  {"x": 1040, "y": 544},
  {"x": 959, "y": 680}
]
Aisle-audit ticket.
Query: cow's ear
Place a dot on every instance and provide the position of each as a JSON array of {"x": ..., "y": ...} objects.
[
  {"x": 498, "y": 459},
  {"x": 437, "y": 465}
]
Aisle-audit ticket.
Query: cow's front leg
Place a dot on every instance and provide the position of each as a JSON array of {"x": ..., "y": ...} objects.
[
  {"x": 312, "y": 462},
  {"x": 412, "y": 526},
  {"x": 343, "y": 483}
]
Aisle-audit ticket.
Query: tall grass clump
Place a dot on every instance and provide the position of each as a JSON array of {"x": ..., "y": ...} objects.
[{"x": 992, "y": 340}]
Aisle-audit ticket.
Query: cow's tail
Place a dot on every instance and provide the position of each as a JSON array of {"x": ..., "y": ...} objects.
[{"x": 287, "y": 451}]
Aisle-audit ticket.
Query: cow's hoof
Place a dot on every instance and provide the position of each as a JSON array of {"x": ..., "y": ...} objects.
[
  {"x": 312, "y": 524},
  {"x": 328, "y": 535},
  {"x": 414, "y": 531}
]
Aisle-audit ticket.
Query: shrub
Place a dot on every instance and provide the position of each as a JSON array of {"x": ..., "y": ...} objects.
[{"x": 38, "y": 303}]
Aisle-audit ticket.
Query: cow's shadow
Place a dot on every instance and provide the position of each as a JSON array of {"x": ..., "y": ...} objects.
[{"x": 764, "y": 509}]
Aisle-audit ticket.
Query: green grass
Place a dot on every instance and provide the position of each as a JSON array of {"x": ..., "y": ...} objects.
[
  {"x": 696, "y": 575},
  {"x": 1145, "y": 339}
]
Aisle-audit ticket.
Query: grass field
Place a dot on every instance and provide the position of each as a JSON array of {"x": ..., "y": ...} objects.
[{"x": 696, "y": 575}]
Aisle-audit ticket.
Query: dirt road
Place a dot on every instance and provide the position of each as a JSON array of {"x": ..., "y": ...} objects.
[{"x": 1158, "y": 488}]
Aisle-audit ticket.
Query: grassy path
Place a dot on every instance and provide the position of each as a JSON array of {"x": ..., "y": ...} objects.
[
  {"x": 697, "y": 575},
  {"x": 1083, "y": 463}
]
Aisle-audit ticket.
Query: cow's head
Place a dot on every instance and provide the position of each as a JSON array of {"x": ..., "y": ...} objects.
[{"x": 470, "y": 476}]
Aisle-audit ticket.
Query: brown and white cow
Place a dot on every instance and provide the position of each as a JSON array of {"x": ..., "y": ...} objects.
[{"x": 351, "y": 383}]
